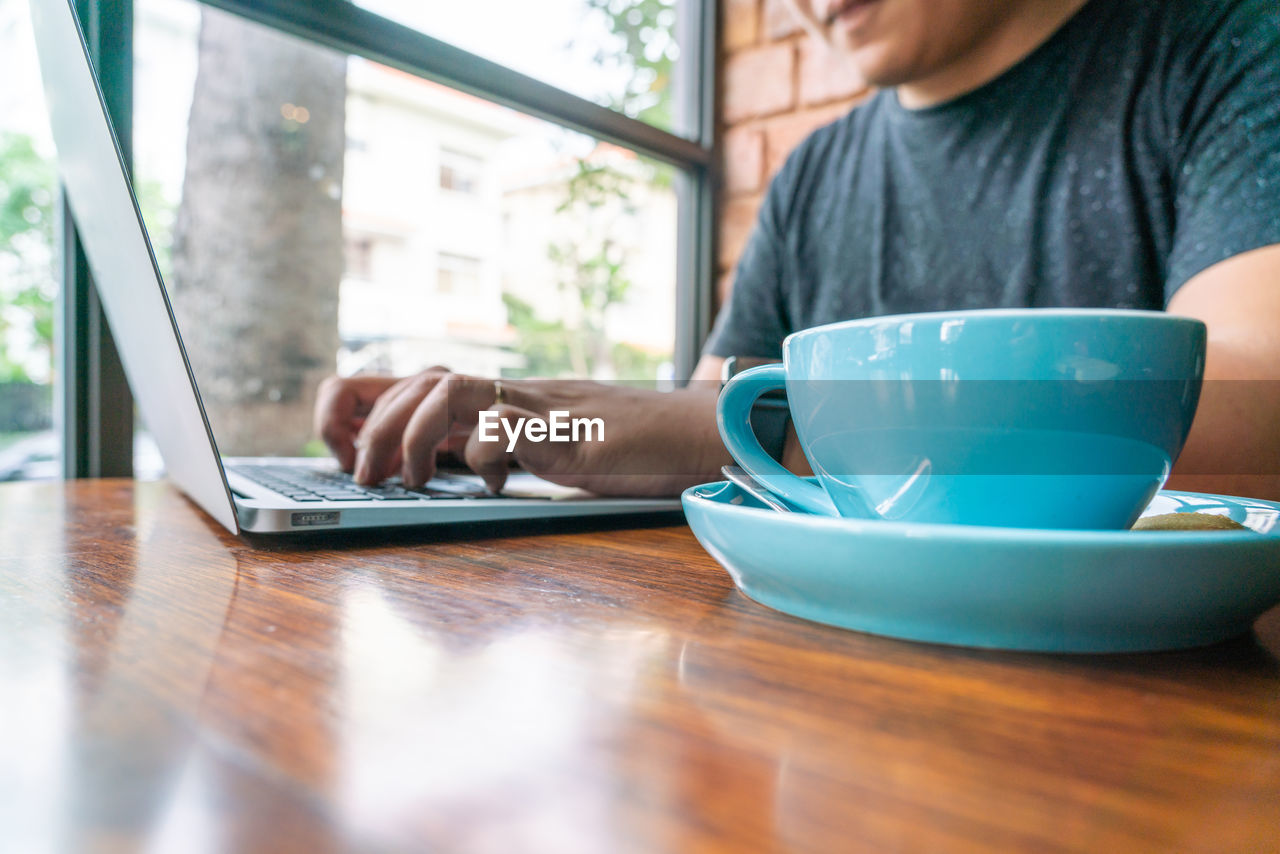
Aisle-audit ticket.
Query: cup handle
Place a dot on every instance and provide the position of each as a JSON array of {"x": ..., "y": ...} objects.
[{"x": 733, "y": 417}]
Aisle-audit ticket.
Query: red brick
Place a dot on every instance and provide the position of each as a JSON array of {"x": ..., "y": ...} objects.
[
  {"x": 784, "y": 133},
  {"x": 780, "y": 21},
  {"x": 759, "y": 82},
  {"x": 743, "y": 160},
  {"x": 826, "y": 74},
  {"x": 740, "y": 24},
  {"x": 736, "y": 221}
]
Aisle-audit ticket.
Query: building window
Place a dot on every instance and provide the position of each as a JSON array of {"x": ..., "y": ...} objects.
[
  {"x": 358, "y": 256},
  {"x": 457, "y": 274},
  {"x": 460, "y": 172}
]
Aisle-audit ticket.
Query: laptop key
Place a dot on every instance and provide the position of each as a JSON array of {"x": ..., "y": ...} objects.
[
  {"x": 312, "y": 486},
  {"x": 388, "y": 491},
  {"x": 457, "y": 490}
]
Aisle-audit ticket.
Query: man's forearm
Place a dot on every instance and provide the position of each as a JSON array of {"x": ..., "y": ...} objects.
[
  {"x": 1234, "y": 445},
  {"x": 683, "y": 438}
]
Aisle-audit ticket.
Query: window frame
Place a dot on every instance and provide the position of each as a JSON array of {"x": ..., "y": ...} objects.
[{"x": 97, "y": 422}]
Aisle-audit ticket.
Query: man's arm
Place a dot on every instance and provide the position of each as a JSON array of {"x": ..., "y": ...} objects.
[
  {"x": 652, "y": 443},
  {"x": 708, "y": 369},
  {"x": 1234, "y": 446}
]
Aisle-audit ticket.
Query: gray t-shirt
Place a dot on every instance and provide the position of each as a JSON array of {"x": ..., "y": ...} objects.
[{"x": 1137, "y": 146}]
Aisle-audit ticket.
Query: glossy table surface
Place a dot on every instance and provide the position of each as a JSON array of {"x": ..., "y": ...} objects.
[{"x": 167, "y": 687}]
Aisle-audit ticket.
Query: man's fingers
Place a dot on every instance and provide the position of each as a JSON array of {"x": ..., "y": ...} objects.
[
  {"x": 335, "y": 420},
  {"x": 492, "y": 459},
  {"x": 451, "y": 405},
  {"x": 341, "y": 405},
  {"x": 489, "y": 453},
  {"x": 379, "y": 453},
  {"x": 393, "y": 396},
  {"x": 391, "y": 393},
  {"x": 457, "y": 441}
]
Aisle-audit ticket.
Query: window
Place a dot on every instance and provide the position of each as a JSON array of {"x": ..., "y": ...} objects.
[
  {"x": 359, "y": 258},
  {"x": 561, "y": 226},
  {"x": 457, "y": 274},
  {"x": 460, "y": 172}
]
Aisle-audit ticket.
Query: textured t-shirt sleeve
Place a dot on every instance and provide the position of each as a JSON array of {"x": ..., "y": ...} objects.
[
  {"x": 753, "y": 321},
  {"x": 1227, "y": 179}
]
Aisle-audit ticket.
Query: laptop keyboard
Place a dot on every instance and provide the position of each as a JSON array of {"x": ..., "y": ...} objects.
[{"x": 307, "y": 484}]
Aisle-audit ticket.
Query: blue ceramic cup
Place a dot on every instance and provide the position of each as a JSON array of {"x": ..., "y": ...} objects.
[{"x": 1032, "y": 418}]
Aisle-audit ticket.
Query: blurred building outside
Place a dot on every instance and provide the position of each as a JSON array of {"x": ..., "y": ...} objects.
[{"x": 429, "y": 260}]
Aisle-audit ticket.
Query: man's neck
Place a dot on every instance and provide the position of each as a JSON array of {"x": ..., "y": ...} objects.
[{"x": 997, "y": 51}]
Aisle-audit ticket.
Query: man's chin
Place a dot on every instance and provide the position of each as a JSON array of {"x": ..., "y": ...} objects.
[{"x": 876, "y": 67}]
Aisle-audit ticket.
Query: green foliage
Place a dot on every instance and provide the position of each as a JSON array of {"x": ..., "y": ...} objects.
[
  {"x": 543, "y": 343},
  {"x": 158, "y": 213},
  {"x": 631, "y": 361},
  {"x": 592, "y": 267},
  {"x": 27, "y": 184},
  {"x": 26, "y": 194},
  {"x": 28, "y": 279},
  {"x": 594, "y": 186},
  {"x": 646, "y": 44},
  {"x": 315, "y": 448}
]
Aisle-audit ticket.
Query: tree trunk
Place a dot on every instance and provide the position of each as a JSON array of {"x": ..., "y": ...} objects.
[{"x": 257, "y": 254}]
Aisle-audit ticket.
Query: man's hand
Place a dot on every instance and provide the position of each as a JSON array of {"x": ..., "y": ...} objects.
[
  {"x": 655, "y": 443},
  {"x": 343, "y": 404}
]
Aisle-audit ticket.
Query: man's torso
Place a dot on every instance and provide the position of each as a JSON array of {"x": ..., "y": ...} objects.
[{"x": 1056, "y": 184}]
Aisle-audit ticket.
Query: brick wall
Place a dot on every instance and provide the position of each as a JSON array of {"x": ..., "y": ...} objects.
[{"x": 777, "y": 85}]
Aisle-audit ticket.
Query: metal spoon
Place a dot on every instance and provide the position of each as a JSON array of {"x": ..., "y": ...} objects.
[{"x": 742, "y": 479}]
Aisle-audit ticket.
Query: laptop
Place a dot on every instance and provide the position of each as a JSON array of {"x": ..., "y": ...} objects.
[{"x": 250, "y": 495}]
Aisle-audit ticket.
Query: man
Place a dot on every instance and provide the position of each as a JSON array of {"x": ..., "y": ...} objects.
[{"x": 1108, "y": 153}]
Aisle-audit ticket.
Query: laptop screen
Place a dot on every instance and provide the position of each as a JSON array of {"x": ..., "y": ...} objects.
[{"x": 120, "y": 257}]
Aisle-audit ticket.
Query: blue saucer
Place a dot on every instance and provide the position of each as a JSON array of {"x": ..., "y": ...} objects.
[{"x": 1007, "y": 588}]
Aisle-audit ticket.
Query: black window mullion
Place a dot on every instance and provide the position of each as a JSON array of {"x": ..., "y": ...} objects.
[
  {"x": 697, "y": 205},
  {"x": 97, "y": 406}
]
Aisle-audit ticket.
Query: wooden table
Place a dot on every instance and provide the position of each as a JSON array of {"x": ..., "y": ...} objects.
[{"x": 165, "y": 685}]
